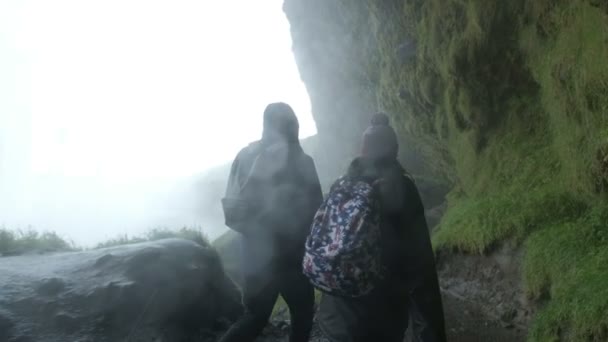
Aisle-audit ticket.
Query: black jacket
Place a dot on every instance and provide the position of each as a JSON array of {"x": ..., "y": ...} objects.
[
  {"x": 405, "y": 237},
  {"x": 408, "y": 255},
  {"x": 281, "y": 184}
]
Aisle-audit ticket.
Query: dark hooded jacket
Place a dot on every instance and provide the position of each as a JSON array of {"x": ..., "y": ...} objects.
[
  {"x": 280, "y": 182},
  {"x": 408, "y": 255}
]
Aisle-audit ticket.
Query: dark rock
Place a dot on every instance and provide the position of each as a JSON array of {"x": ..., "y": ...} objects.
[
  {"x": 434, "y": 215},
  {"x": 487, "y": 286},
  {"x": 50, "y": 287},
  {"x": 104, "y": 259},
  {"x": 432, "y": 192},
  {"x": 66, "y": 322},
  {"x": 6, "y": 326},
  {"x": 508, "y": 325},
  {"x": 407, "y": 50},
  {"x": 405, "y": 95},
  {"x": 135, "y": 291}
]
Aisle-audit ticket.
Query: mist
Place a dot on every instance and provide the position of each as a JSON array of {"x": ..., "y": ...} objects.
[{"x": 112, "y": 112}]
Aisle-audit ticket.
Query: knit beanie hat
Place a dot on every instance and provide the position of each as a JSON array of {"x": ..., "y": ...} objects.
[{"x": 379, "y": 139}]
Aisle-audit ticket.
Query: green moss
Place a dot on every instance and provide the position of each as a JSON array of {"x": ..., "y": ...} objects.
[
  {"x": 508, "y": 101},
  {"x": 572, "y": 69},
  {"x": 566, "y": 263},
  {"x": 476, "y": 225}
]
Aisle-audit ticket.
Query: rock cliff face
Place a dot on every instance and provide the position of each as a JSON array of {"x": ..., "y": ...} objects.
[
  {"x": 505, "y": 102},
  {"x": 143, "y": 292},
  {"x": 329, "y": 59}
]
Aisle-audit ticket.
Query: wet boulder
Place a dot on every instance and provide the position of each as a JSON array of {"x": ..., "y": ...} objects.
[{"x": 137, "y": 292}]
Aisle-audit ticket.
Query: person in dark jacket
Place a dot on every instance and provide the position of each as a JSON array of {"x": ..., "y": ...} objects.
[
  {"x": 279, "y": 191},
  {"x": 411, "y": 283}
]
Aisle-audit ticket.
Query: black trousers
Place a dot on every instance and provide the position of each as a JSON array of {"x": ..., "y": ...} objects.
[
  {"x": 260, "y": 293},
  {"x": 381, "y": 316}
]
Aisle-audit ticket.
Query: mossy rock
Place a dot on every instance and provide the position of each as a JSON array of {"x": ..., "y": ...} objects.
[{"x": 507, "y": 101}]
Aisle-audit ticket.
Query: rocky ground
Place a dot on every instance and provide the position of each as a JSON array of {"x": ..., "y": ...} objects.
[
  {"x": 483, "y": 300},
  {"x": 465, "y": 320},
  {"x": 130, "y": 294}
]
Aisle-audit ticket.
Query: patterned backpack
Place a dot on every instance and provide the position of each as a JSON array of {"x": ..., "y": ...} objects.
[{"x": 343, "y": 252}]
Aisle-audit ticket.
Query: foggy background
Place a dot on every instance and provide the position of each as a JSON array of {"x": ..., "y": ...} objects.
[{"x": 112, "y": 111}]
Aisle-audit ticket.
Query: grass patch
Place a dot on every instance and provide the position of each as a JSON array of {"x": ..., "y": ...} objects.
[
  {"x": 18, "y": 242},
  {"x": 477, "y": 224},
  {"x": 28, "y": 241},
  {"x": 567, "y": 264}
]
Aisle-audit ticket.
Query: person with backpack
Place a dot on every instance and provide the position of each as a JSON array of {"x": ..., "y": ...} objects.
[
  {"x": 272, "y": 195},
  {"x": 369, "y": 250}
]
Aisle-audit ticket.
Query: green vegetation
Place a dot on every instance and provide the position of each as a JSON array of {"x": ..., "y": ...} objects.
[
  {"x": 20, "y": 242},
  {"x": 567, "y": 263},
  {"x": 508, "y": 101},
  {"x": 187, "y": 233}
]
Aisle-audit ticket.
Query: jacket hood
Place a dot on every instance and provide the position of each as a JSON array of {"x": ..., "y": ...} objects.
[{"x": 280, "y": 125}]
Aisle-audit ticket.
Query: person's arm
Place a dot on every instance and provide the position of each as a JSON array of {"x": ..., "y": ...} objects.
[
  {"x": 314, "y": 193},
  {"x": 233, "y": 183}
]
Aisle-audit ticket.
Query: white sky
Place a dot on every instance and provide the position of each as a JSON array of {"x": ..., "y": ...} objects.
[{"x": 100, "y": 99}]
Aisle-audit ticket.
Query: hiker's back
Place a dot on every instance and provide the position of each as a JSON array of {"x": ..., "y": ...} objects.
[
  {"x": 343, "y": 250},
  {"x": 293, "y": 199},
  {"x": 382, "y": 314},
  {"x": 368, "y": 307},
  {"x": 280, "y": 187},
  {"x": 272, "y": 187}
]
